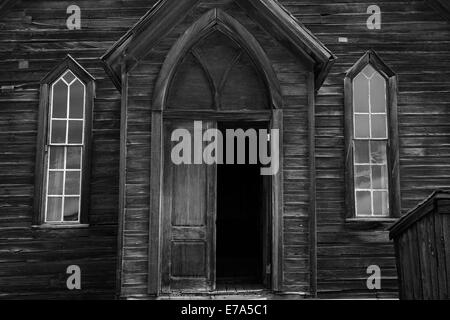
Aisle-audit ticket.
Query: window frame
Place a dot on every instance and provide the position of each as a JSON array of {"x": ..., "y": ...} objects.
[
  {"x": 42, "y": 154},
  {"x": 371, "y": 58}
]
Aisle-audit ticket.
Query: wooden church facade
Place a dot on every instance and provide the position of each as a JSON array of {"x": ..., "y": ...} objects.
[{"x": 86, "y": 178}]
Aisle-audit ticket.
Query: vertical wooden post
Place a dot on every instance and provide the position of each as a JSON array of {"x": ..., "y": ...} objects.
[
  {"x": 277, "y": 208},
  {"x": 154, "y": 255},
  {"x": 38, "y": 214},
  {"x": 122, "y": 174},
  {"x": 312, "y": 185},
  {"x": 394, "y": 149}
]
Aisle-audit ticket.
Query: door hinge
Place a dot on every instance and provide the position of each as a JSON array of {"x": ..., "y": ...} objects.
[{"x": 268, "y": 269}]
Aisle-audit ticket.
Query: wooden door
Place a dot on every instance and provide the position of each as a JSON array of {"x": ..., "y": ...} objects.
[{"x": 188, "y": 218}]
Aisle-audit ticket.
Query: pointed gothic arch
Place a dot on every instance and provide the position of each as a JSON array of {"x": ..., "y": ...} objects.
[
  {"x": 166, "y": 14},
  {"x": 216, "y": 20}
]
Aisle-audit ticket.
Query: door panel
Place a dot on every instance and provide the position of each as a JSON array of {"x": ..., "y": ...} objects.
[
  {"x": 188, "y": 218},
  {"x": 189, "y": 188},
  {"x": 188, "y": 258}
]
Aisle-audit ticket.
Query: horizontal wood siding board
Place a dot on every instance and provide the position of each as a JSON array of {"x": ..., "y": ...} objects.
[{"x": 34, "y": 261}]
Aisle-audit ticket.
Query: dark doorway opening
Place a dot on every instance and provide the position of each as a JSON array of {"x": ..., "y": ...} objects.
[{"x": 242, "y": 226}]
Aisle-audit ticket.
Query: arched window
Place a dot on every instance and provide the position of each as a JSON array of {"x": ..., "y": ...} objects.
[
  {"x": 372, "y": 146},
  {"x": 217, "y": 74},
  {"x": 63, "y": 145}
]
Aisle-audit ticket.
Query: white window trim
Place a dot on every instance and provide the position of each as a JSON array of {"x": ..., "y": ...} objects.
[
  {"x": 65, "y": 145},
  {"x": 369, "y": 139}
]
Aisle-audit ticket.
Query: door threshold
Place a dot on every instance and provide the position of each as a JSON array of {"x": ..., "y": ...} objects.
[
  {"x": 262, "y": 294},
  {"x": 240, "y": 291},
  {"x": 215, "y": 295},
  {"x": 220, "y": 292}
]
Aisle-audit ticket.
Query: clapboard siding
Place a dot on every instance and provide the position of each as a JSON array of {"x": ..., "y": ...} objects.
[
  {"x": 33, "y": 262},
  {"x": 414, "y": 42}
]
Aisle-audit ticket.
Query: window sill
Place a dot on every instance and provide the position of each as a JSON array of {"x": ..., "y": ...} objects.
[
  {"x": 60, "y": 226},
  {"x": 387, "y": 220}
]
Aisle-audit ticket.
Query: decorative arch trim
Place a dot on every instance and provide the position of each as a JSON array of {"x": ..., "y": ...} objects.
[
  {"x": 209, "y": 22},
  {"x": 372, "y": 58},
  {"x": 166, "y": 14},
  {"x": 69, "y": 63}
]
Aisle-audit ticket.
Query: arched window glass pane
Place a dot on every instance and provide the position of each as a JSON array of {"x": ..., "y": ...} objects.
[
  {"x": 361, "y": 94},
  {"x": 378, "y": 94},
  {"x": 60, "y": 91},
  {"x": 370, "y": 144},
  {"x": 65, "y": 150},
  {"x": 368, "y": 71},
  {"x": 76, "y": 100},
  {"x": 69, "y": 77}
]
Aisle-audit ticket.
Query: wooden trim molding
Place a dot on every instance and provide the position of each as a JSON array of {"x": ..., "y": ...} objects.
[
  {"x": 277, "y": 21},
  {"x": 312, "y": 185},
  {"x": 265, "y": 115},
  {"x": 393, "y": 142},
  {"x": 68, "y": 63},
  {"x": 153, "y": 26},
  {"x": 167, "y": 14},
  {"x": 40, "y": 154},
  {"x": 122, "y": 177},
  {"x": 156, "y": 185},
  {"x": 278, "y": 208},
  {"x": 155, "y": 235}
]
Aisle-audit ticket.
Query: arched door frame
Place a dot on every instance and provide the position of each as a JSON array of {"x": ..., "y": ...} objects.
[{"x": 212, "y": 20}]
